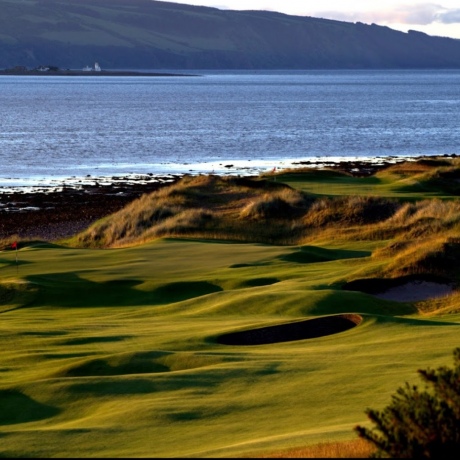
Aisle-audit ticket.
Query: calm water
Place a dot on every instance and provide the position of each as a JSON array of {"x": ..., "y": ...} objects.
[{"x": 53, "y": 128}]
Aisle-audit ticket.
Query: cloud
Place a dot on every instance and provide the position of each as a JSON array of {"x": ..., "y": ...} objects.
[
  {"x": 450, "y": 17},
  {"x": 421, "y": 14}
]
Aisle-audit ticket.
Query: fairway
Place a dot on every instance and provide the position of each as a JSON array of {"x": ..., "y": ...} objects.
[{"x": 120, "y": 353}]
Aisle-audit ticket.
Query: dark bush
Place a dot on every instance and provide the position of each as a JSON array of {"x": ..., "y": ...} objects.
[{"x": 420, "y": 424}]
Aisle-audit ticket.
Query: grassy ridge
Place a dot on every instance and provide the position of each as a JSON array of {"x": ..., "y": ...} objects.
[
  {"x": 409, "y": 210},
  {"x": 115, "y": 353}
]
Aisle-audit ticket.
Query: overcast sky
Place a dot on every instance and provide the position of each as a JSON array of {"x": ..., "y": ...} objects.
[{"x": 434, "y": 18}]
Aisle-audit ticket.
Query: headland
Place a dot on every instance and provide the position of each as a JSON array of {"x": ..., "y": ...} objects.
[{"x": 89, "y": 72}]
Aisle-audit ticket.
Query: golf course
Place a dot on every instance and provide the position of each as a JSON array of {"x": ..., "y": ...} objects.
[{"x": 231, "y": 316}]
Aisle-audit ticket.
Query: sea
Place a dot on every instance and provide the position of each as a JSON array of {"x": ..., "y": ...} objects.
[{"x": 57, "y": 130}]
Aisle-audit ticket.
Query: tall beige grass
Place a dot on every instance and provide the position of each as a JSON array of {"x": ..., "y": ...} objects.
[
  {"x": 204, "y": 206},
  {"x": 445, "y": 305},
  {"x": 358, "y": 448},
  {"x": 420, "y": 234},
  {"x": 283, "y": 204},
  {"x": 437, "y": 255},
  {"x": 349, "y": 210}
]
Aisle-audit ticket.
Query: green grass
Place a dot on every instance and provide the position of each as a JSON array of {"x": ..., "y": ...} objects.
[
  {"x": 409, "y": 181},
  {"x": 115, "y": 352}
]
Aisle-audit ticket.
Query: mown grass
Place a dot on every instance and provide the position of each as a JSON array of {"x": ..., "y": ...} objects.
[{"x": 111, "y": 349}]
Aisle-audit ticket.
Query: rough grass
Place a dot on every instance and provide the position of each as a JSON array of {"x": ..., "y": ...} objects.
[
  {"x": 437, "y": 255},
  {"x": 420, "y": 232},
  {"x": 358, "y": 448},
  {"x": 446, "y": 305},
  {"x": 204, "y": 207}
]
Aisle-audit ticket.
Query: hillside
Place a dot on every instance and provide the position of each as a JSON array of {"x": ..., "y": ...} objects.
[{"x": 145, "y": 34}]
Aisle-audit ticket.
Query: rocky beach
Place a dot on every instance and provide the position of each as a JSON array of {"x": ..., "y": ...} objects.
[{"x": 52, "y": 214}]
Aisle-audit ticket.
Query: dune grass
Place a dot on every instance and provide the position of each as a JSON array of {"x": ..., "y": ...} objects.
[
  {"x": 419, "y": 229},
  {"x": 358, "y": 448},
  {"x": 115, "y": 351}
]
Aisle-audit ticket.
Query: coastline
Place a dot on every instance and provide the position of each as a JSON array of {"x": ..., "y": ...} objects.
[
  {"x": 55, "y": 212},
  {"x": 170, "y": 171},
  {"x": 92, "y": 73}
]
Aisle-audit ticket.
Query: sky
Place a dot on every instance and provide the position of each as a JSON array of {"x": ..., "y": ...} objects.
[{"x": 440, "y": 18}]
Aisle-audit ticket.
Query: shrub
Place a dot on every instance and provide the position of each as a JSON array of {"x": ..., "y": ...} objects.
[{"x": 420, "y": 424}]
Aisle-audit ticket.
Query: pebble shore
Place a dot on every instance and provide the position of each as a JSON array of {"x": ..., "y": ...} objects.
[{"x": 52, "y": 215}]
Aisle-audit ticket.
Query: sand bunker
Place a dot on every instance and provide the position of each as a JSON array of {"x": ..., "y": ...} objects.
[
  {"x": 404, "y": 289},
  {"x": 416, "y": 291},
  {"x": 300, "y": 330}
]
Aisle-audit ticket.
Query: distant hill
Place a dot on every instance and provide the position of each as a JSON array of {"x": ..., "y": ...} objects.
[{"x": 146, "y": 34}]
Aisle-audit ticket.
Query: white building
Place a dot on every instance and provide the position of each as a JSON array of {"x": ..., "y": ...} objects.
[{"x": 96, "y": 68}]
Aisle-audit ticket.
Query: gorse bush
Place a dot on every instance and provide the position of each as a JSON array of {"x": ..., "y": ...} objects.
[{"x": 420, "y": 423}]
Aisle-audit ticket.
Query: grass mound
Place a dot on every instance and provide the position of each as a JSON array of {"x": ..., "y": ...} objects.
[
  {"x": 16, "y": 293},
  {"x": 204, "y": 207},
  {"x": 435, "y": 255},
  {"x": 310, "y": 254},
  {"x": 346, "y": 211},
  {"x": 175, "y": 292},
  {"x": 19, "y": 408},
  {"x": 136, "y": 363},
  {"x": 262, "y": 210},
  {"x": 437, "y": 175},
  {"x": 419, "y": 233}
]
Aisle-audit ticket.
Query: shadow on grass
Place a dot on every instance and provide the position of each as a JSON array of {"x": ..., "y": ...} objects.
[
  {"x": 255, "y": 264},
  {"x": 90, "y": 340},
  {"x": 414, "y": 321},
  {"x": 256, "y": 282},
  {"x": 11, "y": 263},
  {"x": 140, "y": 385},
  {"x": 17, "y": 407},
  {"x": 311, "y": 254},
  {"x": 68, "y": 289},
  {"x": 149, "y": 362}
]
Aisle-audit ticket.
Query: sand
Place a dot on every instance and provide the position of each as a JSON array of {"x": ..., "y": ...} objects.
[{"x": 415, "y": 291}]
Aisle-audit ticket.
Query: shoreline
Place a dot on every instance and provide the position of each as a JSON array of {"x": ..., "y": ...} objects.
[
  {"x": 170, "y": 172},
  {"x": 91, "y": 73},
  {"x": 56, "y": 212}
]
